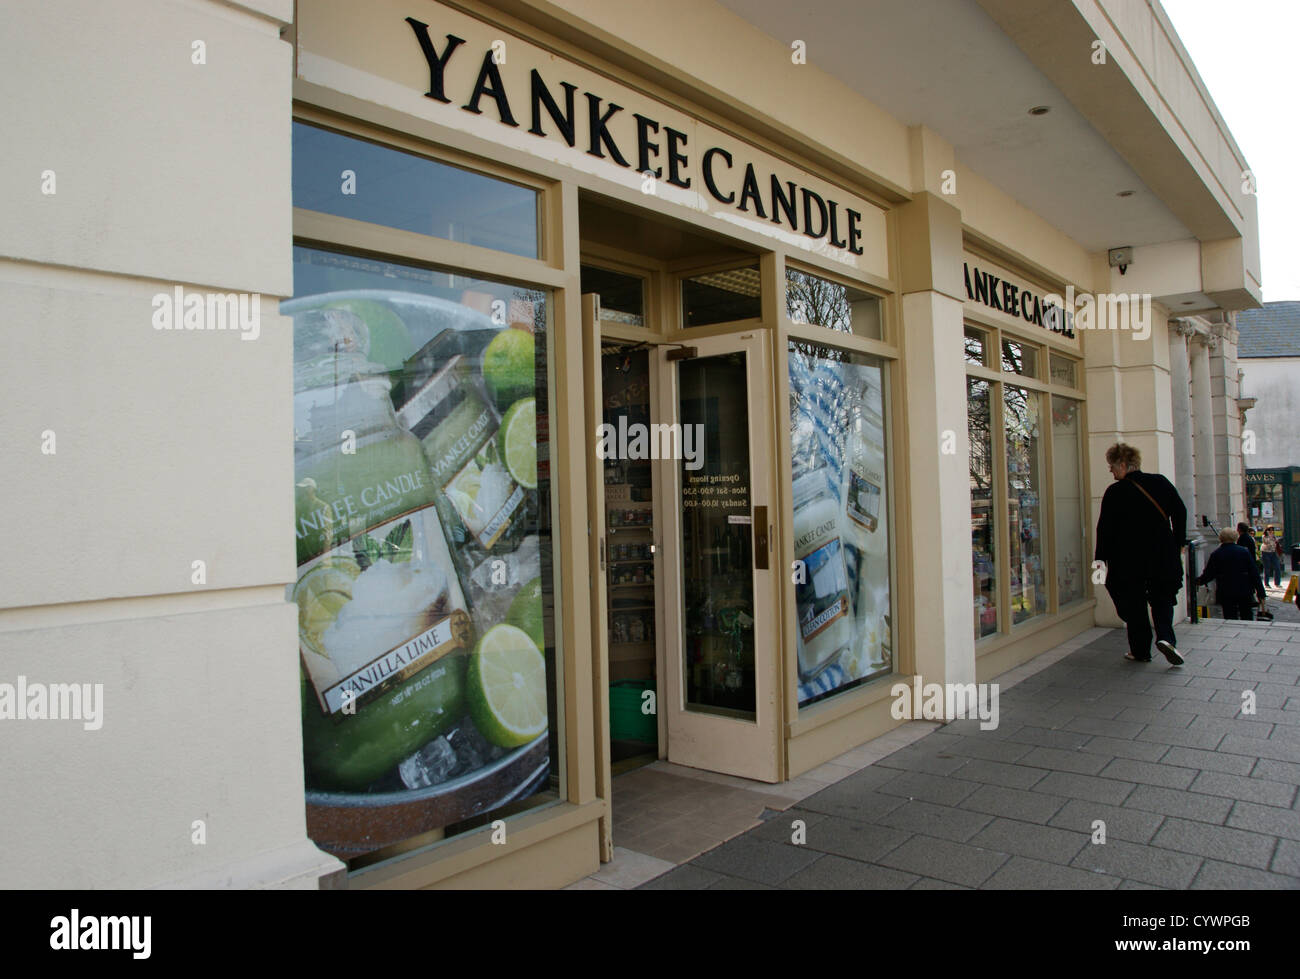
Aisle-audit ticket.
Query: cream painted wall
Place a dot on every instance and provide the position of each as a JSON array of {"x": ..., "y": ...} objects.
[
  {"x": 170, "y": 447},
  {"x": 1274, "y": 383}
]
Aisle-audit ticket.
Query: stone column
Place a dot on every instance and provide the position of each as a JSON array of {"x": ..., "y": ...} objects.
[
  {"x": 1225, "y": 388},
  {"x": 1207, "y": 489},
  {"x": 934, "y": 373},
  {"x": 1181, "y": 387}
]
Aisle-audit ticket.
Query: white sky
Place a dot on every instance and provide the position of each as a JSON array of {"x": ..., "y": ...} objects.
[{"x": 1245, "y": 51}]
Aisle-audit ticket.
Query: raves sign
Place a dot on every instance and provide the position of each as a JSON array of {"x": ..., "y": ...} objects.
[
  {"x": 441, "y": 64},
  {"x": 990, "y": 286}
]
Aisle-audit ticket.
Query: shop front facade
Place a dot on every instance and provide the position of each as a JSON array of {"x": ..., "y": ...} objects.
[{"x": 641, "y": 405}]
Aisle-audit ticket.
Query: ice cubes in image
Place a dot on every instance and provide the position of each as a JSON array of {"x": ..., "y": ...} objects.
[
  {"x": 493, "y": 585},
  {"x": 431, "y": 765},
  {"x": 459, "y": 752}
]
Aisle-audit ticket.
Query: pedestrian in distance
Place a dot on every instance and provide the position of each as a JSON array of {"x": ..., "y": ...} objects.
[
  {"x": 1236, "y": 578},
  {"x": 1246, "y": 539},
  {"x": 1270, "y": 552},
  {"x": 1140, "y": 534}
]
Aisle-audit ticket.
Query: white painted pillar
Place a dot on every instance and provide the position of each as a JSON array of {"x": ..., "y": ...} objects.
[
  {"x": 1181, "y": 386},
  {"x": 1207, "y": 499}
]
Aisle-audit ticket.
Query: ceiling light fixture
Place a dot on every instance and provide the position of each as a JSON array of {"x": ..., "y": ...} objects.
[
  {"x": 1125, "y": 193},
  {"x": 1040, "y": 110}
]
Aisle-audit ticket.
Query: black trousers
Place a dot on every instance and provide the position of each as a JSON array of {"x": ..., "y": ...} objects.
[
  {"x": 1239, "y": 610},
  {"x": 1131, "y": 604}
]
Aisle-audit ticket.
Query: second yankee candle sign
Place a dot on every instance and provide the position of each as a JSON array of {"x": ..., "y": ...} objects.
[{"x": 439, "y": 63}]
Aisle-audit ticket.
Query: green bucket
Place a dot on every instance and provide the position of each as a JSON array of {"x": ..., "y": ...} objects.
[{"x": 626, "y": 722}]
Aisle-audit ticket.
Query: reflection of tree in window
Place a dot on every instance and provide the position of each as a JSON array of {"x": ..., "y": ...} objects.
[
  {"x": 812, "y": 299},
  {"x": 1012, "y": 357},
  {"x": 978, "y": 414}
]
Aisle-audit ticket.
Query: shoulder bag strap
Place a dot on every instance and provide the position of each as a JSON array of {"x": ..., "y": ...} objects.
[{"x": 1151, "y": 498}]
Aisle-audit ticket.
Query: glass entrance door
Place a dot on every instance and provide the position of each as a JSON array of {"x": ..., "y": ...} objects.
[{"x": 722, "y": 688}]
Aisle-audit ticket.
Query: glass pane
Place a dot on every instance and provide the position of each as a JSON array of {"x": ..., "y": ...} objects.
[
  {"x": 840, "y": 512},
  {"x": 976, "y": 347},
  {"x": 721, "y": 297},
  {"x": 1024, "y": 509},
  {"x": 424, "y": 588},
  {"x": 717, "y": 549},
  {"x": 631, "y": 559},
  {"x": 1063, "y": 371},
  {"x": 983, "y": 528},
  {"x": 1019, "y": 358},
  {"x": 353, "y": 178},
  {"x": 1067, "y": 479},
  {"x": 1265, "y": 503},
  {"x": 821, "y": 302},
  {"x": 622, "y": 297}
]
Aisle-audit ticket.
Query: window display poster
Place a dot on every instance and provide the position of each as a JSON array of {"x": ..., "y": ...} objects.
[
  {"x": 840, "y": 518},
  {"x": 422, "y": 587}
]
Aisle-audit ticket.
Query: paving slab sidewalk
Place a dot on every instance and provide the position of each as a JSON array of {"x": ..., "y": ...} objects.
[{"x": 1189, "y": 783}]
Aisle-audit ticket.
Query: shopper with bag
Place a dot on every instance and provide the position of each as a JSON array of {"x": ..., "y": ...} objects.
[
  {"x": 1140, "y": 534},
  {"x": 1236, "y": 577}
]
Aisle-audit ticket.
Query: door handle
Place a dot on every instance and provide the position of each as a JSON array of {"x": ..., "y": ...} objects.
[{"x": 761, "y": 538}]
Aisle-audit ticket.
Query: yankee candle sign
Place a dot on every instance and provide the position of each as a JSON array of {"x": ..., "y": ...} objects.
[
  {"x": 995, "y": 293},
  {"x": 658, "y": 150}
]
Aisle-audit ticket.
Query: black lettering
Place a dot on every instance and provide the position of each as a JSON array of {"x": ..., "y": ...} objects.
[
  {"x": 1038, "y": 312},
  {"x": 1025, "y": 308},
  {"x": 965, "y": 271},
  {"x": 1009, "y": 297},
  {"x": 542, "y": 96},
  {"x": 855, "y": 233},
  {"x": 496, "y": 91},
  {"x": 835, "y": 240},
  {"x": 644, "y": 127},
  {"x": 749, "y": 191},
  {"x": 707, "y": 168},
  {"x": 993, "y": 292},
  {"x": 808, "y": 197},
  {"x": 981, "y": 287},
  {"x": 437, "y": 64},
  {"x": 675, "y": 159},
  {"x": 787, "y": 204},
  {"x": 600, "y": 132}
]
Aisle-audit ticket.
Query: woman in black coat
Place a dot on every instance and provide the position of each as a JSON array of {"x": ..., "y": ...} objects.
[
  {"x": 1140, "y": 533},
  {"x": 1234, "y": 570}
]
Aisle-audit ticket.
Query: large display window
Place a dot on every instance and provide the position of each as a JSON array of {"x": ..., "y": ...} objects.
[
  {"x": 425, "y": 587},
  {"x": 1025, "y": 427},
  {"x": 840, "y": 506}
]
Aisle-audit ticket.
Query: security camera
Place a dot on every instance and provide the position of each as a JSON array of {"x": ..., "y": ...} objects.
[{"x": 1121, "y": 258}]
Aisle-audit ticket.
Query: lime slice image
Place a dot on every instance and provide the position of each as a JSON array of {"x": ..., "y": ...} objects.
[
  {"x": 507, "y": 687},
  {"x": 526, "y": 611},
  {"x": 463, "y": 493},
  {"x": 519, "y": 443},
  {"x": 320, "y": 594},
  {"x": 509, "y": 366}
]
